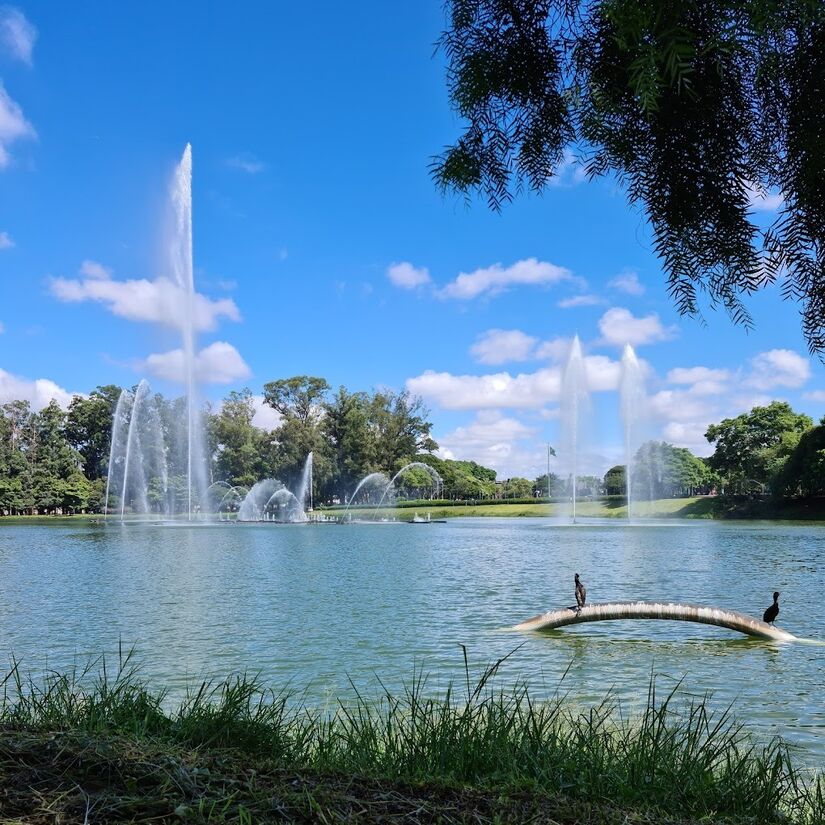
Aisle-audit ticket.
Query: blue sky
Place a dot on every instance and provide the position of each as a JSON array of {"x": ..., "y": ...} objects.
[{"x": 321, "y": 245}]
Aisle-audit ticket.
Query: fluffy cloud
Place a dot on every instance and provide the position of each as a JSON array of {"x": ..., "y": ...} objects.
[
  {"x": 159, "y": 301},
  {"x": 778, "y": 368},
  {"x": 619, "y": 326},
  {"x": 579, "y": 301},
  {"x": 495, "y": 441},
  {"x": 246, "y": 163},
  {"x": 703, "y": 380},
  {"x": 17, "y": 34},
  {"x": 495, "y": 279},
  {"x": 628, "y": 282},
  {"x": 5, "y": 241},
  {"x": 407, "y": 276},
  {"x": 569, "y": 172},
  {"x": 498, "y": 346},
  {"x": 762, "y": 201},
  {"x": 814, "y": 395},
  {"x": 502, "y": 390},
  {"x": 219, "y": 363},
  {"x": 265, "y": 417},
  {"x": 13, "y": 126},
  {"x": 39, "y": 393}
]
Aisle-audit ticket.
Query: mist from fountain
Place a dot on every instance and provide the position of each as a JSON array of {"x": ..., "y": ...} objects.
[
  {"x": 181, "y": 259},
  {"x": 288, "y": 506},
  {"x": 304, "y": 492},
  {"x": 369, "y": 483},
  {"x": 633, "y": 408},
  {"x": 252, "y": 507},
  {"x": 117, "y": 444},
  {"x": 575, "y": 409},
  {"x": 433, "y": 473}
]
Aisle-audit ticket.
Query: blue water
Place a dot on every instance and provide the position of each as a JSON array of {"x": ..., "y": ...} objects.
[{"x": 318, "y": 605}]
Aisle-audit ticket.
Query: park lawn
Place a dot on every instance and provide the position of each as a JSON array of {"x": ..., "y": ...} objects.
[{"x": 697, "y": 507}]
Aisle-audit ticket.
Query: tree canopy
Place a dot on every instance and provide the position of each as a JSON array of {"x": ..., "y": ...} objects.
[{"x": 692, "y": 106}]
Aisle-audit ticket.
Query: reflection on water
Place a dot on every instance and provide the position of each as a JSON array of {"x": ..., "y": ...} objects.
[{"x": 322, "y": 604}]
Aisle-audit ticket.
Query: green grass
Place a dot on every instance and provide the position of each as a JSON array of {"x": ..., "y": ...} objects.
[
  {"x": 238, "y": 751},
  {"x": 698, "y": 507}
]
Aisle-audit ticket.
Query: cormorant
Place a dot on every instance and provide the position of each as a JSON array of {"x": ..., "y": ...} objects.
[
  {"x": 773, "y": 611},
  {"x": 581, "y": 593}
]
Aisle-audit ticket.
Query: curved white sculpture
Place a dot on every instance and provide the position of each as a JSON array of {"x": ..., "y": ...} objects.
[{"x": 674, "y": 611}]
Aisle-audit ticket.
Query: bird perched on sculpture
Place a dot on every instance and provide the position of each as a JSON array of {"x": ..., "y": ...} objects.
[
  {"x": 773, "y": 611},
  {"x": 581, "y": 594}
]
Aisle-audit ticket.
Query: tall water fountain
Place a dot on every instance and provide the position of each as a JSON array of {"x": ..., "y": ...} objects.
[
  {"x": 271, "y": 500},
  {"x": 575, "y": 409},
  {"x": 141, "y": 448},
  {"x": 633, "y": 408}
]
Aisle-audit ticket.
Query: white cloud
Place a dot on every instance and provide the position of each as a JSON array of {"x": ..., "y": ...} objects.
[
  {"x": 246, "y": 163},
  {"x": 778, "y": 368},
  {"x": 628, "y": 281},
  {"x": 39, "y": 393},
  {"x": 265, "y": 417},
  {"x": 762, "y": 201},
  {"x": 556, "y": 349},
  {"x": 496, "y": 278},
  {"x": 407, "y": 276},
  {"x": 219, "y": 363},
  {"x": 702, "y": 380},
  {"x": 569, "y": 172},
  {"x": 619, "y": 326},
  {"x": 492, "y": 440},
  {"x": 499, "y": 346},
  {"x": 95, "y": 270},
  {"x": 502, "y": 390},
  {"x": 5, "y": 241},
  {"x": 814, "y": 395},
  {"x": 579, "y": 301},
  {"x": 13, "y": 126},
  {"x": 160, "y": 301},
  {"x": 17, "y": 34}
]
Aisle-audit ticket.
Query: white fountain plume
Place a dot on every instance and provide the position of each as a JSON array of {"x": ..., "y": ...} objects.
[
  {"x": 117, "y": 445},
  {"x": 304, "y": 492},
  {"x": 575, "y": 406},
  {"x": 181, "y": 256},
  {"x": 633, "y": 409},
  {"x": 431, "y": 471}
]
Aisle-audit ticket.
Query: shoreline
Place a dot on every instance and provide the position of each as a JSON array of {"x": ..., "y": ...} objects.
[{"x": 714, "y": 508}]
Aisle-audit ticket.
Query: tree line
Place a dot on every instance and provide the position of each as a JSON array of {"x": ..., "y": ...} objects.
[{"x": 56, "y": 460}]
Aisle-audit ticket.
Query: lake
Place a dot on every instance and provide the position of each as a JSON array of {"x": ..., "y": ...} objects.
[{"x": 317, "y": 605}]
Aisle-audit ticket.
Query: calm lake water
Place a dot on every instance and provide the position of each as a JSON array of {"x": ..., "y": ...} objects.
[{"x": 318, "y": 605}]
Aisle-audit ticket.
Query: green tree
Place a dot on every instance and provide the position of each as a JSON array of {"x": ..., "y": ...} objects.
[
  {"x": 688, "y": 105},
  {"x": 754, "y": 445},
  {"x": 351, "y": 439},
  {"x": 803, "y": 474},
  {"x": 399, "y": 422},
  {"x": 300, "y": 402},
  {"x": 89, "y": 428},
  {"x": 615, "y": 481},
  {"x": 238, "y": 447},
  {"x": 517, "y": 488}
]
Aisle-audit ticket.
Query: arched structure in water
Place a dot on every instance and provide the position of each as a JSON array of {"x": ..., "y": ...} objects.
[{"x": 673, "y": 611}]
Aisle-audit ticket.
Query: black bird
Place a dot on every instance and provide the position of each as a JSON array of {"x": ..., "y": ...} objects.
[
  {"x": 773, "y": 611},
  {"x": 581, "y": 593}
]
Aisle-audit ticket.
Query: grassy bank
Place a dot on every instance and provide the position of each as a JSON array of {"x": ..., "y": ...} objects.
[
  {"x": 699, "y": 507},
  {"x": 236, "y": 752}
]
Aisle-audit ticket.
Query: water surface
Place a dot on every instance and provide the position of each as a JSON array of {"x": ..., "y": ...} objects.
[{"x": 319, "y": 605}]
